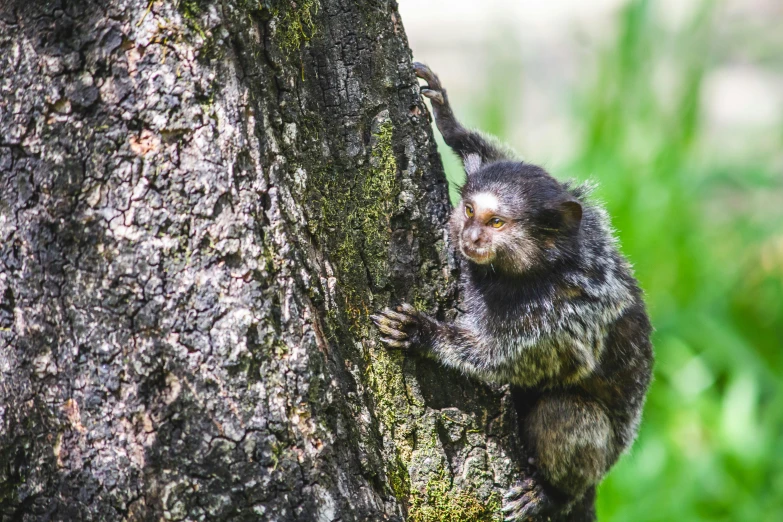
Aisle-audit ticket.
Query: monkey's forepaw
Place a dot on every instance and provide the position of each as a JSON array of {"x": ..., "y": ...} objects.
[
  {"x": 399, "y": 328},
  {"x": 433, "y": 90},
  {"x": 528, "y": 501}
]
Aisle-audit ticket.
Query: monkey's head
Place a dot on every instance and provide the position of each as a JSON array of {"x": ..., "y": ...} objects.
[{"x": 514, "y": 217}]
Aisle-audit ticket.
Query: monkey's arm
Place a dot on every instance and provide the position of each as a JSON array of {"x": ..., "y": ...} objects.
[
  {"x": 472, "y": 147},
  {"x": 455, "y": 346},
  {"x": 520, "y": 360}
]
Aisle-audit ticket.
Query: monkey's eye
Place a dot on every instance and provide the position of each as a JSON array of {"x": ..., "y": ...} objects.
[
  {"x": 469, "y": 211},
  {"x": 496, "y": 222}
]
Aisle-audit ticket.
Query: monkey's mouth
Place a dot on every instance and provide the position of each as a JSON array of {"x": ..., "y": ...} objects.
[{"x": 480, "y": 256}]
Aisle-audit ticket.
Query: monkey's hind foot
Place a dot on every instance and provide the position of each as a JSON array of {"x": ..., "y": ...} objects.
[
  {"x": 528, "y": 501},
  {"x": 433, "y": 90}
]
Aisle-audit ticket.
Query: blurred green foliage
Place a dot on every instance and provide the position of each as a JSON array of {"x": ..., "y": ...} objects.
[{"x": 704, "y": 231}]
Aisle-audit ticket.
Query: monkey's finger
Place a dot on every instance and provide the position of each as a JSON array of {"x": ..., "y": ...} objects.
[
  {"x": 381, "y": 318},
  {"x": 394, "y": 343},
  {"x": 517, "y": 511},
  {"x": 435, "y": 96},
  {"x": 523, "y": 514},
  {"x": 512, "y": 494},
  {"x": 385, "y": 322},
  {"x": 528, "y": 505},
  {"x": 514, "y": 512},
  {"x": 422, "y": 70},
  {"x": 396, "y": 316},
  {"x": 511, "y": 507},
  {"x": 520, "y": 489},
  {"x": 426, "y": 74},
  {"x": 516, "y": 517},
  {"x": 392, "y": 332},
  {"x": 408, "y": 309},
  {"x": 378, "y": 319},
  {"x": 530, "y": 498}
]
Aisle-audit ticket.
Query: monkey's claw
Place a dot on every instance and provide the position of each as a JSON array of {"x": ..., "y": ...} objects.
[
  {"x": 433, "y": 90},
  {"x": 527, "y": 501},
  {"x": 397, "y": 327}
]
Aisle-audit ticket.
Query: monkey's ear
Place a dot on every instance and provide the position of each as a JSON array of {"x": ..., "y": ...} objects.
[
  {"x": 472, "y": 163},
  {"x": 571, "y": 215}
]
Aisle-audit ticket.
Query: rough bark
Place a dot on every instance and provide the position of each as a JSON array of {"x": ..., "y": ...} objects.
[{"x": 200, "y": 203}]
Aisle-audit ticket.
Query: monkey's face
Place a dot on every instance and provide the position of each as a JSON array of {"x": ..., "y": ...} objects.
[
  {"x": 514, "y": 217},
  {"x": 487, "y": 232}
]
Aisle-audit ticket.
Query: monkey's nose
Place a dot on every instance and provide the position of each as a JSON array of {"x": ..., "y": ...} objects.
[{"x": 474, "y": 237}]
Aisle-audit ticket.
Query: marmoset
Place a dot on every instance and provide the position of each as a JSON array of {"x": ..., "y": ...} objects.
[{"x": 551, "y": 307}]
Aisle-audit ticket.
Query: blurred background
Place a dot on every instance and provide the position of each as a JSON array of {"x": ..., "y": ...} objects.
[{"x": 676, "y": 108}]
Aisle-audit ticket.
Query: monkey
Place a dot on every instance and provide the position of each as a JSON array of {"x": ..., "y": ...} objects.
[{"x": 551, "y": 307}]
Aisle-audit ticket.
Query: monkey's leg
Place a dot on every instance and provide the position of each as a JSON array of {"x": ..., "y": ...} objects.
[
  {"x": 571, "y": 438},
  {"x": 471, "y": 146}
]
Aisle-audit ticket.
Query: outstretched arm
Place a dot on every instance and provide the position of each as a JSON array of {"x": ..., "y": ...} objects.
[
  {"x": 464, "y": 347},
  {"x": 454, "y": 346},
  {"x": 472, "y": 147}
]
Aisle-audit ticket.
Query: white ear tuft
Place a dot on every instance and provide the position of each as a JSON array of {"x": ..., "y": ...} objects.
[{"x": 472, "y": 163}]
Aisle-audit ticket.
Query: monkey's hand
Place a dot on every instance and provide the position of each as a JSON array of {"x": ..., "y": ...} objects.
[
  {"x": 434, "y": 91},
  {"x": 530, "y": 501},
  {"x": 464, "y": 142},
  {"x": 404, "y": 328}
]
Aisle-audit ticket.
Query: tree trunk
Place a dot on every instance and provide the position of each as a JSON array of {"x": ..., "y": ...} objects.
[{"x": 200, "y": 204}]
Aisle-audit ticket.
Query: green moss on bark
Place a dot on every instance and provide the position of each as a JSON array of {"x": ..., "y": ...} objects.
[
  {"x": 296, "y": 25},
  {"x": 378, "y": 192},
  {"x": 355, "y": 220},
  {"x": 443, "y": 503}
]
